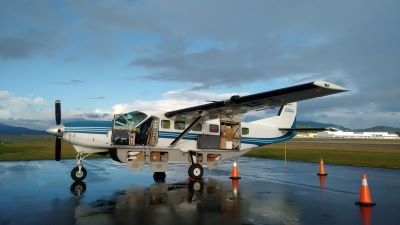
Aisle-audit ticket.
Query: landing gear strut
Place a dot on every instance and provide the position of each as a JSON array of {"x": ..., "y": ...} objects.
[
  {"x": 79, "y": 172},
  {"x": 195, "y": 171}
]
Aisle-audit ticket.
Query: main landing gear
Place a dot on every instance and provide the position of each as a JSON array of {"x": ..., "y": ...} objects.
[
  {"x": 196, "y": 170},
  {"x": 79, "y": 172}
]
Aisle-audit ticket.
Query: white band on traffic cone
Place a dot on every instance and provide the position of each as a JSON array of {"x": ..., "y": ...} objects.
[{"x": 364, "y": 182}]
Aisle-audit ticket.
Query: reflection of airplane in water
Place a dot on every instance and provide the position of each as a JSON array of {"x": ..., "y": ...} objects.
[
  {"x": 192, "y": 202},
  {"x": 199, "y": 135}
]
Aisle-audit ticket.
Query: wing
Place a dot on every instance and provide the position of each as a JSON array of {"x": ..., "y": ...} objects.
[{"x": 264, "y": 100}]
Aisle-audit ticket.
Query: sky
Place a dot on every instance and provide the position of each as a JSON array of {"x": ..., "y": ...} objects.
[{"x": 104, "y": 57}]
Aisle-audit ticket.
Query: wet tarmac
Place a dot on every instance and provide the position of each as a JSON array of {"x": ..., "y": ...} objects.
[{"x": 42, "y": 192}]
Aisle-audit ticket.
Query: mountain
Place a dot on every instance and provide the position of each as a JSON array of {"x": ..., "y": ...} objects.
[
  {"x": 380, "y": 129},
  {"x": 320, "y": 125},
  {"x": 10, "y": 130},
  {"x": 371, "y": 129}
]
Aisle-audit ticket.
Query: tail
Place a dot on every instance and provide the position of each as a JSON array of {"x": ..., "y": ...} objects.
[{"x": 286, "y": 117}]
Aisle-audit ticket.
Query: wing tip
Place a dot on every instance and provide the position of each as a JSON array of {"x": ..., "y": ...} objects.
[{"x": 329, "y": 85}]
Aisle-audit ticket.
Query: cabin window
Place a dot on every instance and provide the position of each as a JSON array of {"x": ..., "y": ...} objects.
[
  {"x": 214, "y": 128},
  {"x": 166, "y": 124},
  {"x": 197, "y": 127},
  {"x": 179, "y": 125},
  {"x": 245, "y": 131}
]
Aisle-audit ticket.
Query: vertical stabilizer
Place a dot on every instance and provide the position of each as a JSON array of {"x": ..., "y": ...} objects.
[{"x": 285, "y": 118}]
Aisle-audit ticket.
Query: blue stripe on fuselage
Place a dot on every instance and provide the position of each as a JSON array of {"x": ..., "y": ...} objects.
[
  {"x": 89, "y": 123},
  {"x": 243, "y": 140},
  {"x": 89, "y": 127},
  {"x": 102, "y": 127}
]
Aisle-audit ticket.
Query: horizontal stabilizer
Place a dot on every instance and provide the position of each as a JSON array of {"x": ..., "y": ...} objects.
[{"x": 305, "y": 129}]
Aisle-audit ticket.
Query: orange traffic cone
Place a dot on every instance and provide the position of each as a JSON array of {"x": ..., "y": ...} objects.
[
  {"x": 322, "y": 171},
  {"x": 235, "y": 187},
  {"x": 365, "y": 196},
  {"x": 322, "y": 182},
  {"x": 365, "y": 213},
  {"x": 235, "y": 171}
]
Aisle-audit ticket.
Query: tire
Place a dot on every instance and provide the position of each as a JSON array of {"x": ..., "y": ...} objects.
[
  {"x": 159, "y": 177},
  {"x": 196, "y": 171},
  {"x": 195, "y": 186},
  {"x": 78, "y": 188},
  {"x": 76, "y": 176}
]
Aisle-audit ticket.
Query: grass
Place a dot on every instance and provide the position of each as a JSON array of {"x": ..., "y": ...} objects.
[
  {"x": 370, "y": 153},
  {"x": 34, "y": 149}
]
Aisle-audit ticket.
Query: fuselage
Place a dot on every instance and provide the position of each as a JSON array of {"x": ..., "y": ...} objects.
[
  {"x": 138, "y": 138},
  {"x": 97, "y": 135}
]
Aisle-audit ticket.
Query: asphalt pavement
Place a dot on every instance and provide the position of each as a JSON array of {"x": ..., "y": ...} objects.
[{"x": 42, "y": 192}]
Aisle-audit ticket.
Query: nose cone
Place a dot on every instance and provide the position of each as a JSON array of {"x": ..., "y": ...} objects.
[{"x": 56, "y": 131}]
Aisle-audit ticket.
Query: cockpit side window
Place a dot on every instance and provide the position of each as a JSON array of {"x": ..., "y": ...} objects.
[{"x": 120, "y": 121}]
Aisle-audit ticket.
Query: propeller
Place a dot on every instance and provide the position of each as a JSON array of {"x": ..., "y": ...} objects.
[
  {"x": 58, "y": 111},
  {"x": 58, "y": 138}
]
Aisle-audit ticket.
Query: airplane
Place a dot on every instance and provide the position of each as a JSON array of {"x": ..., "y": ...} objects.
[{"x": 197, "y": 136}]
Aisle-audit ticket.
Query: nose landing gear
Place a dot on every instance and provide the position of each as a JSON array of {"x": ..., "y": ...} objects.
[
  {"x": 78, "y": 188},
  {"x": 79, "y": 172}
]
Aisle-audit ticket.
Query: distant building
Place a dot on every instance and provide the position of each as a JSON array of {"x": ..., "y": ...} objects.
[
  {"x": 357, "y": 135},
  {"x": 306, "y": 135}
]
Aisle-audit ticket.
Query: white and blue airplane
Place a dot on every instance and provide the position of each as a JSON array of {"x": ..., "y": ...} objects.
[{"x": 200, "y": 135}]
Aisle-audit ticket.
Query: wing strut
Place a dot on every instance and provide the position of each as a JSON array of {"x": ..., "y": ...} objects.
[{"x": 186, "y": 131}]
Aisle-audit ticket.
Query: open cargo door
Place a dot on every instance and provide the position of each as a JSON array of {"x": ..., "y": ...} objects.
[{"x": 230, "y": 133}]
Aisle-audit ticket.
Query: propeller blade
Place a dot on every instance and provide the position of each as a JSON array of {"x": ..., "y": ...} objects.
[
  {"x": 58, "y": 148},
  {"x": 58, "y": 112}
]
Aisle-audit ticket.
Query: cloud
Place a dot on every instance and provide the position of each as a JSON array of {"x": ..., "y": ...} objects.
[
  {"x": 98, "y": 98},
  {"x": 172, "y": 100},
  {"x": 36, "y": 113},
  {"x": 354, "y": 46},
  {"x": 23, "y": 111},
  {"x": 15, "y": 48},
  {"x": 357, "y": 117},
  {"x": 234, "y": 43},
  {"x": 93, "y": 116},
  {"x": 72, "y": 82}
]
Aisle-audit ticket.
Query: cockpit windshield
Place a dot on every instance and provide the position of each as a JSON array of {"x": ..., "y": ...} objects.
[
  {"x": 129, "y": 119},
  {"x": 135, "y": 117}
]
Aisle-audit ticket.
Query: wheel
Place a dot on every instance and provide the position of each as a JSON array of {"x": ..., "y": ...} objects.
[
  {"x": 195, "y": 186},
  {"x": 78, "y": 176},
  {"x": 196, "y": 171},
  {"x": 159, "y": 177},
  {"x": 78, "y": 188}
]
